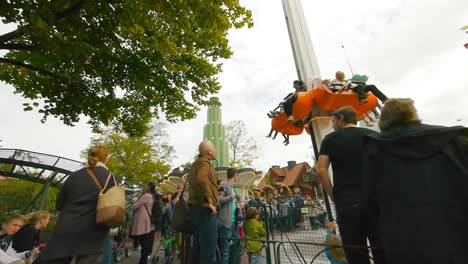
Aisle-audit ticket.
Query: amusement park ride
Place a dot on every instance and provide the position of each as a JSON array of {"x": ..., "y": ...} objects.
[{"x": 312, "y": 109}]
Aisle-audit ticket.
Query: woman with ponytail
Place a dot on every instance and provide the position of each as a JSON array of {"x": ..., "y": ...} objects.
[
  {"x": 142, "y": 228},
  {"x": 77, "y": 236}
]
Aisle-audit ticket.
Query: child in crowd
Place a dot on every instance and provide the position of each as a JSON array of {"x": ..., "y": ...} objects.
[
  {"x": 333, "y": 248},
  {"x": 28, "y": 237},
  {"x": 7, "y": 254},
  {"x": 253, "y": 230}
]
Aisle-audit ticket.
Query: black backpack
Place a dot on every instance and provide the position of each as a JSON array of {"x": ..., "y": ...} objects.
[{"x": 156, "y": 211}]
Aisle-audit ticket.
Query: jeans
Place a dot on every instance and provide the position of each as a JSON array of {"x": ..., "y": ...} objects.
[
  {"x": 355, "y": 229},
  {"x": 205, "y": 235},
  {"x": 254, "y": 258},
  {"x": 227, "y": 252},
  {"x": 107, "y": 257}
]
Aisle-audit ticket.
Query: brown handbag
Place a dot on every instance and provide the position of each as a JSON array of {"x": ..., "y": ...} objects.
[{"x": 110, "y": 210}]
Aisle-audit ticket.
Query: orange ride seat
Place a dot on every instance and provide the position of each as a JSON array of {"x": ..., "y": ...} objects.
[
  {"x": 327, "y": 100},
  {"x": 301, "y": 108}
]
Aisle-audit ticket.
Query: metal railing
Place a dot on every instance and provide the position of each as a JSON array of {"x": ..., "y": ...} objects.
[{"x": 293, "y": 236}]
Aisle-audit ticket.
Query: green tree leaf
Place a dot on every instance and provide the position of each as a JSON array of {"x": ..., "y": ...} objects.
[
  {"x": 243, "y": 149},
  {"x": 137, "y": 160},
  {"x": 118, "y": 62}
]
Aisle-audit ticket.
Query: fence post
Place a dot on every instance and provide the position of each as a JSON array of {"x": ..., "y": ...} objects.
[{"x": 267, "y": 229}]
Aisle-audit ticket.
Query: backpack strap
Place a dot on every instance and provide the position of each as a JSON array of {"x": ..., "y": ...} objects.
[
  {"x": 91, "y": 173},
  {"x": 147, "y": 211},
  {"x": 149, "y": 215}
]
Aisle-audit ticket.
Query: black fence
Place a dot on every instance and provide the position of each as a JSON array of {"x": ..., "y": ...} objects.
[{"x": 294, "y": 235}]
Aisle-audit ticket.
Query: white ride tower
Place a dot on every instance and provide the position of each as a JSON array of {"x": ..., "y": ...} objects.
[
  {"x": 306, "y": 67},
  {"x": 305, "y": 59},
  {"x": 303, "y": 51}
]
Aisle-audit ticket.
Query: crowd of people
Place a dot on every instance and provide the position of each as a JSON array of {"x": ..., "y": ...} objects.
[
  {"x": 408, "y": 171},
  {"x": 381, "y": 181},
  {"x": 221, "y": 217}
]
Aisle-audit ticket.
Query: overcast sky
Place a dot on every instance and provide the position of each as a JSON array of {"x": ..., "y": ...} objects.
[{"x": 408, "y": 48}]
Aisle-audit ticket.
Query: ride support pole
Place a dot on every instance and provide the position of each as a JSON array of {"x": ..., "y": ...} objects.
[{"x": 316, "y": 154}]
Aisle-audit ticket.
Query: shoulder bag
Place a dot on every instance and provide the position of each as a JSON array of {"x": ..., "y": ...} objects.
[{"x": 110, "y": 209}]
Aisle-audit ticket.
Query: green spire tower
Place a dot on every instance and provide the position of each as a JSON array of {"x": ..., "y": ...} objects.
[{"x": 214, "y": 132}]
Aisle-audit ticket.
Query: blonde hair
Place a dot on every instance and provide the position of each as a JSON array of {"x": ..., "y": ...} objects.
[
  {"x": 340, "y": 76},
  {"x": 15, "y": 217},
  {"x": 96, "y": 154},
  {"x": 336, "y": 250},
  {"x": 397, "y": 112},
  {"x": 35, "y": 217}
]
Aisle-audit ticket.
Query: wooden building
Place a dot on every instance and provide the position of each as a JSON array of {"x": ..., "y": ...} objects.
[{"x": 286, "y": 179}]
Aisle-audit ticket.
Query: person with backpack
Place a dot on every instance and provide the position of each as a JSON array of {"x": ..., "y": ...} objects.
[{"x": 145, "y": 219}]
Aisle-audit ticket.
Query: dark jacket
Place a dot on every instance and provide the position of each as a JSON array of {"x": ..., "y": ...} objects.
[
  {"x": 26, "y": 238},
  {"x": 415, "y": 178},
  {"x": 202, "y": 183},
  {"x": 298, "y": 201},
  {"x": 77, "y": 233}
]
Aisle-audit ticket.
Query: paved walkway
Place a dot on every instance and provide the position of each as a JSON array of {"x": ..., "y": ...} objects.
[
  {"x": 289, "y": 253},
  {"x": 133, "y": 259}
]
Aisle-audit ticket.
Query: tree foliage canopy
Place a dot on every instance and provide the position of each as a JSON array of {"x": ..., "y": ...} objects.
[
  {"x": 137, "y": 160},
  {"x": 243, "y": 149},
  {"x": 18, "y": 194},
  {"x": 117, "y": 62}
]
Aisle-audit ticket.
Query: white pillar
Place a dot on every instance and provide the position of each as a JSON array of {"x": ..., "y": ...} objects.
[{"x": 303, "y": 51}]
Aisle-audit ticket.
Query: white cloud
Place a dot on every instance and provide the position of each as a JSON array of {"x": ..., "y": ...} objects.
[{"x": 408, "y": 48}]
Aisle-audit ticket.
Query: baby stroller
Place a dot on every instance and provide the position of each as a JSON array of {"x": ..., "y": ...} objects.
[
  {"x": 169, "y": 240},
  {"x": 122, "y": 245}
]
